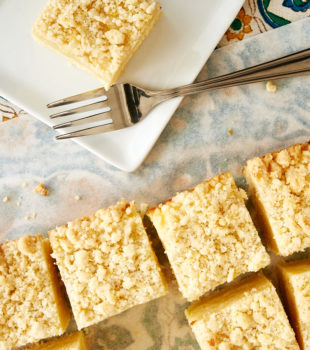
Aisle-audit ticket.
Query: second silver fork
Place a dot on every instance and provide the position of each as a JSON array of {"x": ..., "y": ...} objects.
[{"x": 125, "y": 104}]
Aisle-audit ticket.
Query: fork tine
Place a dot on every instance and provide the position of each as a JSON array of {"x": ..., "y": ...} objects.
[
  {"x": 88, "y": 131},
  {"x": 85, "y": 108},
  {"x": 78, "y": 98},
  {"x": 91, "y": 118}
]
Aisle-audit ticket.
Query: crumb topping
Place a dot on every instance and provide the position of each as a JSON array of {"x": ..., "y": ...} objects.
[
  {"x": 27, "y": 305},
  {"x": 208, "y": 235},
  {"x": 301, "y": 285},
  {"x": 107, "y": 263},
  {"x": 281, "y": 183},
  {"x": 99, "y": 34},
  {"x": 296, "y": 280},
  {"x": 253, "y": 318}
]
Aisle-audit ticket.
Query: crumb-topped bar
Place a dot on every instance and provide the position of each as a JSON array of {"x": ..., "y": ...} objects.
[
  {"x": 71, "y": 341},
  {"x": 245, "y": 316},
  {"x": 280, "y": 187},
  {"x": 32, "y": 304},
  {"x": 98, "y": 35},
  {"x": 208, "y": 235},
  {"x": 295, "y": 283},
  {"x": 107, "y": 263}
]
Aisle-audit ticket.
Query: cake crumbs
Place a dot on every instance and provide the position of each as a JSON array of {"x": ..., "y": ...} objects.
[
  {"x": 77, "y": 197},
  {"x": 34, "y": 215},
  {"x": 41, "y": 189},
  {"x": 271, "y": 86},
  {"x": 6, "y": 199},
  {"x": 27, "y": 217},
  {"x": 230, "y": 132},
  {"x": 25, "y": 184},
  {"x": 18, "y": 204}
]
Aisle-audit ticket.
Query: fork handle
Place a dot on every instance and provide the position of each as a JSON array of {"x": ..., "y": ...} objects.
[{"x": 285, "y": 67}]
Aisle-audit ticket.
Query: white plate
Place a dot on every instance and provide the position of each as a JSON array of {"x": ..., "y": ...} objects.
[{"x": 32, "y": 75}]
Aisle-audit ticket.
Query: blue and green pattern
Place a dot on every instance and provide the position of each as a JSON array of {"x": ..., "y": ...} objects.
[{"x": 258, "y": 16}]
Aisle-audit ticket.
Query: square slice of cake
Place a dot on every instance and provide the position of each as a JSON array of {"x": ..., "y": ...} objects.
[
  {"x": 280, "y": 186},
  {"x": 99, "y": 36},
  {"x": 32, "y": 303},
  {"x": 107, "y": 263},
  {"x": 248, "y": 315},
  {"x": 295, "y": 283},
  {"x": 72, "y": 341},
  {"x": 208, "y": 235}
]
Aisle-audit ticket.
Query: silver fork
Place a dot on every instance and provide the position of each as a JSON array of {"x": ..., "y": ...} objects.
[{"x": 126, "y": 104}]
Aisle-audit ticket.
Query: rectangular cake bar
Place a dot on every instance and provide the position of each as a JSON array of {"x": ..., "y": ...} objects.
[
  {"x": 245, "y": 316},
  {"x": 99, "y": 36},
  {"x": 208, "y": 235},
  {"x": 107, "y": 263},
  {"x": 295, "y": 283},
  {"x": 280, "y": 186},
  {"x": 32, "y": 302}
]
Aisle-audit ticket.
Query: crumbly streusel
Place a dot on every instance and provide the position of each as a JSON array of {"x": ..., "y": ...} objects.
[
  {"x": 32, "y": 305},
  {"x": 107, "y": 263},
  {"x": 246, "y": 316},
  {"x": 208, "y": 235},
  {"x": 98, "y": 35},
  {"x": 295, "y": 281},
  {"x": 280, "y": 184}
]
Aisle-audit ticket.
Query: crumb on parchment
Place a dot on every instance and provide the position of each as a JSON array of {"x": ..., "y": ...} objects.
[
  {"x": 77, "y": 197},
  {"x": 230, "y": 132},
  {"x": 41, "y": 189},
  {"x": 5, "y": 199},
  {"x": 271, "y": 86}
]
